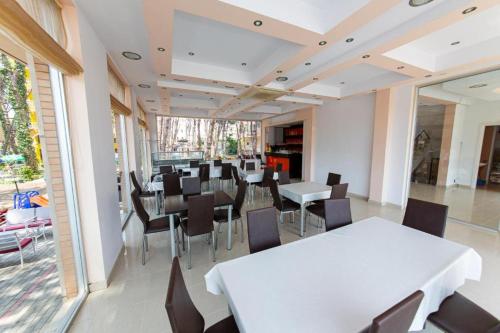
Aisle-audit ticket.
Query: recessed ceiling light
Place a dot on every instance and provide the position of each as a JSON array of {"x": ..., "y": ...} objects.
[
  {"x": 259, "y": 85},
  {"x": 281, "y": 78},
  {"x": 342, "y": 82},
  {"x": 211, "y": 98},
  {"x": 323, "y": 42},
  {"x": 150, "y": 100},
  {"x": 161, "y": 49},
  {"x": 191, "y": 54},
  {"x": 307, "y": 64},
  {"x": 243, "y": 64},
  {"x": 469, "y": 10},
  {"x": 229, "y": 87},
  {"x": 163, "y": 75},
  {"x": 131, "y": 55},
  {"x": 366, "y": 56},
  {"x": 180, "y": 95},
  {"x": 455, "y": 43},
  {"x": 315, "y": 79},
  {"x": 428, "y": 75},
  {"x": 279, "y": 71},
  {"x": 349, "y": 40},
  {"x": 143, "y": 85},
  {"x": 400, "y": 67},
  {"x": 418, "y": 3},
  {"x": 179, "y": 80},
  {"x": 154, "y": 110},
  {"x": 215, "y": 82},
  {"x": 207, "y": 93},
  {"x": 479, "y": 85},
  {"x": 257, "y": 23}
]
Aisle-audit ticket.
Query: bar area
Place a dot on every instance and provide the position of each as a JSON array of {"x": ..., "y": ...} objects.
[{"x": 284, "y": 148}]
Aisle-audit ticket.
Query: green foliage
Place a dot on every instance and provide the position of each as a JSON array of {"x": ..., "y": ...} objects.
[
  {"x": 27, "y": 173},
  {"x": 231, "y": 145}
]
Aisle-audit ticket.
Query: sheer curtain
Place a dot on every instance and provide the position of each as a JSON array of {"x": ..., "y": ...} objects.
[
  {"x": 116, "y": 87},
  {"x": 47, "y": 13}
]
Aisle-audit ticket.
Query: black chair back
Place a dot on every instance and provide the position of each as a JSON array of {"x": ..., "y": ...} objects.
[
  {"x": 204, "y": 172},
  {"x": 263, "y": 231},
  {"x": 267, "y": 178},
  {"x": 333, "y": 179},
  {"x": 135, "y": 183},
  {"x": 166, "y": 169},
  {"x": 191, "y": 186},
  {"x": 182, "y": 313},
  {"x": 236, "y": 175},
  {"x": 217, "y": 163},
  {"x": 240, "y": 197},
  {"x": 339, "y": 191},
  {"x": 398, "y": 319},
  {"x": 139, "y": 209},
  {"x": 226, "y": 171},
  {"x": 250, "y": 166},
  {"x": 171, "y": 184},
  {"x": 242, "y": 163},
  {"x": 337, "y": 213},
  {"x": 200, "y": 214},
  {"x": 194, "y": 164},
  {"x": 284, "y": 177},
  {"x": 426, "y": 216},
  {"x": 277, "y": 202}
]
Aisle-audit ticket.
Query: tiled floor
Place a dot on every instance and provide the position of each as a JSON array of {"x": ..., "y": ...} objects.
[
  {"x": 29, "y": 295},
  {"x": 134, "y": 302},
  {"x": 478, "y": 206}
]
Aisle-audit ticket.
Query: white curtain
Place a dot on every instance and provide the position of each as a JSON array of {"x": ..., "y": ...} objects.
[
  {"x": 116, "y": 87},
  {"x": 47, "y": 13}
]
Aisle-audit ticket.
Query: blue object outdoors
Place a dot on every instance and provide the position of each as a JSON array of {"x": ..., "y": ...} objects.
[
  {"x": 13, "y": 158},
  {"x": 22, "y": 200}
]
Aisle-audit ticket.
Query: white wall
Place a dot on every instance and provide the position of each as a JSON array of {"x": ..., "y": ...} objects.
[
  {"x": 456, "y": 145},
  {"x": 476, "y": 117},
  {"x": 343, "y": 141}
]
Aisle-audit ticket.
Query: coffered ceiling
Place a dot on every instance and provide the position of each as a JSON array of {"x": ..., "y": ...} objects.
[{"x": 247, "y": 59}]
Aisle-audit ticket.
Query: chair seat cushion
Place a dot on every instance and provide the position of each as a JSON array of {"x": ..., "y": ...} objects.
[
  {"x": 289, "y": 205},
  {"x": 318, "y": 210},
  {"x": 227, "y": 325},
  {"x": 161, "y": 224},
  {"x": 458, "y": 314},
  {"x": 23, "y": 242},
  {"x": 220, "y": 215}
]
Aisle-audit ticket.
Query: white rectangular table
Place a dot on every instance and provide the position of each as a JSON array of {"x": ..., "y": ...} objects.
[
  {"x": 340, "y": 280},
  {"x": 254, "y": 176},
  {"x": 303, "y": 193}
]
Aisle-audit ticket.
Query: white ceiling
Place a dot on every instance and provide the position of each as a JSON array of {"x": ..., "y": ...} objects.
[
  {"x": 222, "y": 36},
  {"x": 491, "y": 92}
]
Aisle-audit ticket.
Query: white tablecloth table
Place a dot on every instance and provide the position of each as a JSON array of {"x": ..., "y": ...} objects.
[
  {"x": 303, "y": 193},
  {"x": 340, "y": 280},
  {"x": 254, "y": 176}
]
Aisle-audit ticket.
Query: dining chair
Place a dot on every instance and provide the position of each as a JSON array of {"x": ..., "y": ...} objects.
[
  {"x": 204, "y": 174},
  {"x": 284, "y": 177},
  {"x": 279, "y": 167},
  {"x": 339, "y": 191},
  {"x": 250, "y": 166},
  {"x": 171, "y": 184},
  {"x": 333, "y": 179},
  {"x": 221, "y": 215},
  {"x": 426, "y": 216},
  {"x": 194, "y": 164},
  {"x": 458, "y": 314},
  {"x": 166, "y": 169},
  {"x": 398, "y": 318},
  {"x": 284, "y": 206},
  {"x": 236, "y": 175},
  {"x": 183, "y": 315},
  {"x": 337, "y": 213},
  {"x": 200, "y": 221},
  {"x": 262, "y": 229},
  {"x": 138, "y": 188},
  {"x": 16, "y": 242},
  {"x": 267, "y": 179},
  {"x": 217, "y": 163},
  {"x": 152, "y": 226},
  {"x": 191, "y": 186},
  {"x": 317, "y": 207},
  {"x": 226, "y": 173}
]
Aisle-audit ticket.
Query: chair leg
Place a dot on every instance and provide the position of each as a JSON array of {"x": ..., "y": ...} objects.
[
  {"x": 241, "y": 224},
  {"x": 146, "y": 242},
  {"x": 213, "y": 246},
  {"x": 217, "y": 235},
  {"x": 143, "y": 251},
  {"x": 183, "y": 245},
  {"x": 21, "y": 255},
  {"x": 189, "y": 252},
  {"x": 178, "y": 241}
]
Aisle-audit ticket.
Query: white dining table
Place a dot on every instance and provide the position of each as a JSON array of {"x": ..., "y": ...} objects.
[
  {"x": 340, "y": 280},
  {"x": 302, "y": 193},
  {"x": 254, "y": 176}
]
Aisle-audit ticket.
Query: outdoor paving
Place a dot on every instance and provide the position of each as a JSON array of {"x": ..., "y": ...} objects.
[
  {"x": 29, "y": 296},
  {"x": 7, "y": 191}
]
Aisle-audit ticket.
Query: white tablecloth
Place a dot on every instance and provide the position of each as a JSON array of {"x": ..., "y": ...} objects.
[
  {"x": 340, "y": 280},
  {"x": 254, "y": 176},
  {"x": 305, "y": 191}
]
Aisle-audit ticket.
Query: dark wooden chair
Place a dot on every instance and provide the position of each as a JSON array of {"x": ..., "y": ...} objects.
[
  {"x": 333, "y": 179},
  {"x": 226, "y": 173},
  {"x": 221, "y": 216},
  {"x": 267, "y": 179},
  {"x": 339, "y": 191},
  {"x": 458, "y": 314},
  {"x": 167, "y": 169},
  {"x": 151, "y": 226},
  {"x": 284, "y": 206},
  {"x": 194, "y": 164},
  {"x": 284, "y": 177},
  {"x": 242, "y": 164},
  {"x": 204, "y": 174},
  {"x": 200, "y": 221},
  {"x": 171, "y": 184},
  {"x": 217, "y": 163},
  {"x": 236, "y": 175},
  {"x": 183, "y": 315},
  {"x": 138, "y": 188},
  {"x": 426, "y": 216},
  {"x": 250, "y": 166},
  {"x": 398, "y": 318},
  {"x": 337, "y": 213},
  {"x": 191, "y": 186},
  {"x": 262, "y": 229}
]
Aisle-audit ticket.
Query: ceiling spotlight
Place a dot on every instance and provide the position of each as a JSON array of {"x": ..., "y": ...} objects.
[
  {"x": 161, "y": 49},
  {"x": 211, "y": 98},
  {"x": 180, "y": 95},
  {"x": 207, "y": 93},
  {"x": 259, "y": 85},
  {"x": 366, "y": 56},
  {"x": 418, "y": 3},
  {"x": 143, "y": 85},
  {"x": 428, "y": 75},
  {"x": 150, "y": 100},
  {"x": 323, "y": 42},
  {"x": 281, "y": 78},
  {"x": 400, "y": 67},
  {"x": 229, "y": 87},
  {"x": 455, "y": 43},
  {"x": 307, "y": 64},
  {"x": 315, "y": 79},
  {"x": 179, "y": 80},
  {"x": 479, "y": 85},
  {"x": 469, "y": 10},
  {"x": 163, "y": 75},
  {"x": 279, "y": 71},
  {"x": 131, "y": 55},
  {"x": 154, "y": 110},
  {"x": 342, "y": 82},
  {"x": 215, "y": 82},
  {"x": 243, "y": 64},
  {"x": 349, "y": 40},
  {"x": 257, "y": 23},
  {"x": 191, "y": 54}
]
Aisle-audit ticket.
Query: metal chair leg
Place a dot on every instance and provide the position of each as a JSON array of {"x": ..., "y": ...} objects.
[
  {"x": 189, "y": 252},
  {"x": 217, "y": 235},
  {"x": 146, "y": 242},
  {"x": 178, "y": 241},
  {"x": 213, "y": 246},
  {"x": 183, "y": 245},
  {"x": 143, "y": 251},
  {"x": 241, "y": 224}
]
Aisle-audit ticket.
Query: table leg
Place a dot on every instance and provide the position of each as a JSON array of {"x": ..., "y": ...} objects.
[
  {"x": 302, "y": 209},
  {"x": 157, "y": 202},
  {"x": 230, "y": 223},
  {"x": 172, "y": 238}
]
